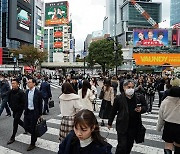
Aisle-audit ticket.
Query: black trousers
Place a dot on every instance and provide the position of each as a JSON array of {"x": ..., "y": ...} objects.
[
  {"x": 17, "y": 121},
  {"x": 46, "y": 108},
  {"x": 30, "y": 121},
  {"x": 125, "y": 141}
]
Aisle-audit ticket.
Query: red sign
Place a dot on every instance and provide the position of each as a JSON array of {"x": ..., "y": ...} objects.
[
  {"x": 58, "y": 44},
  {"x": 58, "y": 34},
  {"x": 1, "y": 50}
]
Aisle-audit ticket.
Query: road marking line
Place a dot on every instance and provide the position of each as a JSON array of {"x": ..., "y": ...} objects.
[
  {"x": 41, "y": 143},
  {"x": 4, "y": 150}
]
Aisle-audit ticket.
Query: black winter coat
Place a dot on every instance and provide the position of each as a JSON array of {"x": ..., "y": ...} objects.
[
  {"x": 120, "y": 108},
  {"x": 16, "y": 100}
]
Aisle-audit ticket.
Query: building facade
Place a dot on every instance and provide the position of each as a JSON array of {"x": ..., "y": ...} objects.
[
  {"x": 174, "y": 12},
  {"x": 38, "y": 23}
]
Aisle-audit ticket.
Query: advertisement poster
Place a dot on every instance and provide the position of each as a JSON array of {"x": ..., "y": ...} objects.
[
  {"x": 176, "y": 37},
  {"x": 1, "y": 50},
  {"x": 155, "y": 59},
  {"x": 23, "y": 19},
  {"x": 150, "y": 37},
  {"x": 58, "y": 39},
  {"x": 56, "y": 13}
]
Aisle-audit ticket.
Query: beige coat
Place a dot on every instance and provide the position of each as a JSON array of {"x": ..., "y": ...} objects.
[
  {"x": 69, "y": 104},
  {"x": 86, "y": 102},
  {"x": 109, "y": 95},
  {"x": 169, "y": 111}
]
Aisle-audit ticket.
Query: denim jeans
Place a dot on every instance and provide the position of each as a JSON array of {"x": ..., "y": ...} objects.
[{"x": 3, "y": 105}]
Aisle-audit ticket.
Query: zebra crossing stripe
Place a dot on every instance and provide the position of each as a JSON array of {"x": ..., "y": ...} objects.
[
  {"x": 54, "y": 131},
  {"x": 41, "y": 143},
  {"x": 57, "y": 85},
  {"x": 53, "y": 86},
  {"x": 4, "y": 150}
]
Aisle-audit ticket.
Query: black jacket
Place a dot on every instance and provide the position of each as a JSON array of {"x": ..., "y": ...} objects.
[
  {"x": 66, "y": 146},
  {"x": 16, "y": 100},
  {"x": 4, "y": 89},
  {"x": 37, "y": 101},
  {"x": 120, "y": 108}
]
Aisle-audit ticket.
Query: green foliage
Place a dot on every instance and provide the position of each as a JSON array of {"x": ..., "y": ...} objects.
[
  {"x": 31, "y": 56},
  {"x": 102, "y": 52}
]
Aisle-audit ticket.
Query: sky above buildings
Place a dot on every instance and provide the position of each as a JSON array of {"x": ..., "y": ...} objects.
[{"x": 88, "y": 15}]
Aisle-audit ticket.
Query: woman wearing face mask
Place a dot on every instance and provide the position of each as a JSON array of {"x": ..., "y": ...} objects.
[{"x": 128, "y": 107}]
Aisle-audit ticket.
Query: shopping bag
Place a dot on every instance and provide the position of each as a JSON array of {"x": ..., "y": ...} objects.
[{"x": 41, "y": 128}]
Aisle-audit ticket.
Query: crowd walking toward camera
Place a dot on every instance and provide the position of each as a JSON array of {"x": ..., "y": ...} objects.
[{"x": 123, "y": 99}]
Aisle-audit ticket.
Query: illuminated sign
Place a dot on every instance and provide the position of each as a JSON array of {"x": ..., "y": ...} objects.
[{"x": 155, "y": 59}]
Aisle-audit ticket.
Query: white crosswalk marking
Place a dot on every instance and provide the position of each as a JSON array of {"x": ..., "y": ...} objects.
[
  {"x": 150, "y": 145},
  {"x": 4, "y": 150}
]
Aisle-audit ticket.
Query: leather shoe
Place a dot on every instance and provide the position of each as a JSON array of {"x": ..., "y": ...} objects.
[
  {"x": 25, "y": 132},
  {"x": 8, "y": 115},
  {"x": 44, "y": 113},
  {"x": 11, "y": 141},
  {"x": 31, "y": 147}
]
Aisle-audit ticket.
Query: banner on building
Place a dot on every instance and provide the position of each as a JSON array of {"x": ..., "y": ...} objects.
[
  {"x": 1, "y": 53},
  {"x": 58, "y": 39},
  {"x": 56, "y": 13},
  {"x": 155, "y": 59},
  {"x": 150, "y": 37}
]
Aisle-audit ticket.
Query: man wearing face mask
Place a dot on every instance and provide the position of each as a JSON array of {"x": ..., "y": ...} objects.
[{"x": 128, "y": 107}]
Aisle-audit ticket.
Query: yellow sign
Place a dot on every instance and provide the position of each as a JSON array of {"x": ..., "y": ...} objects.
[{"x": 156, "y": 59}]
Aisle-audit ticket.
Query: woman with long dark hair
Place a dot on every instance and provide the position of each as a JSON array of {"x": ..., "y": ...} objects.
[
  {"x": 69, "y": 106},
  {"x": 107, "y": 102},
  {"x": 86, "y": 138},
  {"x": 86, "y": 96}
]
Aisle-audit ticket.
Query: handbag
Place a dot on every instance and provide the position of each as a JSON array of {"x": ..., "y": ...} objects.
[
  {"x": 95, "y": 106},
  {"x": 51, "y": 103},
  {"x": 101, "y": 95},
  {"x": 41, "y": 128},
  {"x": 140, "y": 134}
]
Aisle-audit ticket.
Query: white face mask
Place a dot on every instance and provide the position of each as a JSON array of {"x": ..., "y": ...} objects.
[{"x": 129, "y": 92}]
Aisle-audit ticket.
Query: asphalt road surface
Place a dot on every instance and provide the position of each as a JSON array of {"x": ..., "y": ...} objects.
[{"x": 49, "y": 143}]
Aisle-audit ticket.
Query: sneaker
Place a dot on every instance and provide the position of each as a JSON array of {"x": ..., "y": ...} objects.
[
  {"x": 31, "y": 147},
  {"x": 146, "y": 113},
  {"x": 11, "y": 141}
]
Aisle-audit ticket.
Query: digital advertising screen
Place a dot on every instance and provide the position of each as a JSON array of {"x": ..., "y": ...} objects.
[
  {"x": 23, "y": 19},
  {"x": 176, "y": 37},
  {"x": 150, "y": 37},
  {"x": 56, "y": 13}
]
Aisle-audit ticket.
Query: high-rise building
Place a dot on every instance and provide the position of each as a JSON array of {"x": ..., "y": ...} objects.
[
  {"x": 174, "y": 12},
  {"x": 58, "y": 32},
  {"x": 38, "y": 23}
]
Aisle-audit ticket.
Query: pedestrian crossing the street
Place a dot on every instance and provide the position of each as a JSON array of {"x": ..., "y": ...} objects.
[{"x": 49, "y": 142}]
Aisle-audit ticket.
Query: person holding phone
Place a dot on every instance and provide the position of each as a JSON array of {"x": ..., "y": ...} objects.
[{"x": 128, "y": 107}]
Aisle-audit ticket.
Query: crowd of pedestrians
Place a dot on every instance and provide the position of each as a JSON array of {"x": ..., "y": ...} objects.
[{"x": 79, "y": 129}]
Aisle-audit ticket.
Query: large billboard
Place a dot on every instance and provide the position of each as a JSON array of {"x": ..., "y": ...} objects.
[
  {"x": 1, "y": 50},
  {"x": 150, "y": 37},
  {"x": 56, "y": 13},
  {"x": 21, "y": 19},
  {"x": 155, "y": 59}
]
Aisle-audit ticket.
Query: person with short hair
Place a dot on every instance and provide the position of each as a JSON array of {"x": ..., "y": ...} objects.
[
  {"x": 128, "y": 107},
  {"x": 33, "y": 111},
  {"x": 16, "y": 100},
  {"x": 46, "y": 95},
  {"x": 86, "y": 137}
]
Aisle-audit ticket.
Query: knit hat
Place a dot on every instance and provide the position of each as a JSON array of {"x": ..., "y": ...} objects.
[{"x": 175, "y": 82}]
